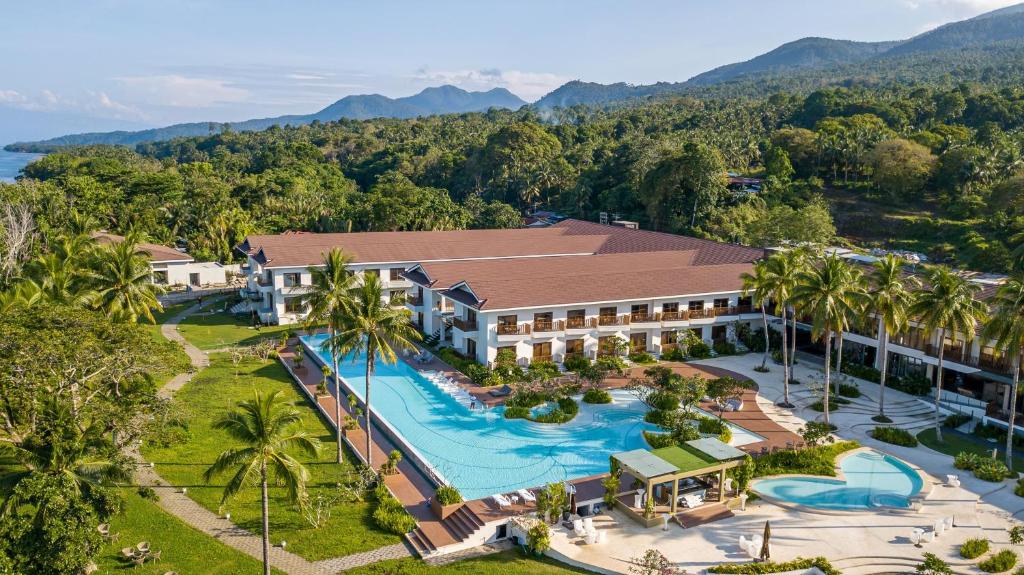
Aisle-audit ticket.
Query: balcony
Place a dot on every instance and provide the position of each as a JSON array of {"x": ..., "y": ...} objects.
[
  {"x": 742, "y": 309},
  {"x": 612, "y": 320},
  {"x": 513, "y": 331},
  {"x": 586, "y": 323},
  {"x": 671, "y": 316},
  {"x": 464, "y": 324},
  {"x": 701, "y": 313},
  {"x": 644, "y": 318},
  {"x": 548, "y": 326}
]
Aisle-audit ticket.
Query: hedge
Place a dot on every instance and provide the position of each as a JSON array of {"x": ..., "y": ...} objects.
[
  {"x": 770, "y": 567},
  {"x": 895, "y": 436},
  {"x": 974, "y": 548},
  {"x": 390, "y": 515},
  {"x": 1000, "y": 562}
]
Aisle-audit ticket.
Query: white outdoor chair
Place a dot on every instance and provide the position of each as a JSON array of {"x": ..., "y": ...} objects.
[{"x": 577, "y": 528}]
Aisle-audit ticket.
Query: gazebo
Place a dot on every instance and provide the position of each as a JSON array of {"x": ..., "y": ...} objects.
[{"x": 682, "y": 467}]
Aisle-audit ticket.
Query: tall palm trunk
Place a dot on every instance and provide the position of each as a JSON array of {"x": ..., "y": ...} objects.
[
  {"x": 938, "y": 383},
  {"x": 370, "y": 354},
  {"x": 792, "y": 350},
  {"x": 785, "y": 362},
  {"x": 337, "y": 396},
  {"x": 1013, "y": 410},
  {"x": 828, "y": 368},
  {"x": 266, "y": 518},
  {"x": 767, "y": 340},
  {"x": 883, "y": 348},
  {"x": 839, "y": 359}
]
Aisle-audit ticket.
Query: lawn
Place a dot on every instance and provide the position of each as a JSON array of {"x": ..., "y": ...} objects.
[
  {"x": 183, "y": 549},
  {"x": 507, "y": 563},
  {"x": 216, "y": 330},
  {"x": 218, "y": 389},
  {"x": 953, "y": 444}
]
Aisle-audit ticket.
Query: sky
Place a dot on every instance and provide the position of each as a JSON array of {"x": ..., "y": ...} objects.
[{"x": 97, "y": 65}]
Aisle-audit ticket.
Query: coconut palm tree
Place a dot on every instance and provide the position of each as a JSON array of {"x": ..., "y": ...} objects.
[
  {"x": 947, "y": 303},
  {"x": 123, "y": 282},
  {"x": 62, "y": 274},
  {"x": 328, "y": 299},
  {"x": 781, "y": 275},
  {"x": 830, "y": 291},
  {"x": 375, "y": 328},
  {"x": 1006, "y": 327},
  {"x": 266, "y": 427},
  {"x": 756, "y": 285},
  {"x": 890, "y": 300}
]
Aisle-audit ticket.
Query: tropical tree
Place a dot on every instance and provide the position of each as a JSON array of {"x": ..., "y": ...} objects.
[
  {"x": 328, "y": 299},
  {"x": 1006, "y": 327},
  {"x": 781, "y": 276},
  {"x": 122, "y": 282},
  {"x": 830, "y": 291},
  {"x": 266, "y": 427},
  {"x": 890, "y": 300},
  {"x": 756, "y": 285},
  {"x": 375, "y": 328},
  {"x": 947, "y": 303}
]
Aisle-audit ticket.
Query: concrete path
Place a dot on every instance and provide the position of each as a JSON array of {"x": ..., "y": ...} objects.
[{"x": 184, "y": 508}]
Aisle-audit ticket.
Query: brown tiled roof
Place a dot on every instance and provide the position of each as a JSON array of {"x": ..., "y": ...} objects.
[
  {"x": 156, "y": 252},
  {"x": 567, "y": 237},
  {"x": 534, "y": 282}
]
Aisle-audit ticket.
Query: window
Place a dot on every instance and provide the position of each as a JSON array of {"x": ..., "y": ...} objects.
[
  {"x": 745, "y": 301},
  {"x": 419, "y": 319},
  {"x": 398, "y": 294},
  {"x": 371, "y": 273},
  {"x": 696, "y": 305},
  {"x": 542, "y": 351},
  {"x": 721, "y": 303},
  {"x": 672, "y": 307},
  {"x": 638, "y": 342},
  {"x": 396, "y": 274},
  {"x": 718, "y": 333},
  {"x": 160, "y": 277},
  {"x": 293, "y": 305},
  {"x": 542, "y": 321},
  {"x": 638, "y": 312},
  {"x": 608, "y": 312},
  {"x": 576, "y": 318},
  {"x": 606, "y": 345},
  {"x": 574, "y": 347},
  {"x": 292, "y": 279},
  {"x": 508, "y": 324},
  {"x": 471, "y": 348},
  {"x": 669, "y": 337}
]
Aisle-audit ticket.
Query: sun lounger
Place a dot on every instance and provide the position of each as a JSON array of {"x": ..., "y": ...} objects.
[
  {"x": 527, "y": 495},
  {"x": 588, "y": 523},
  {"x": 577, "y": 528},
  {"x": 692, "y": 501},
  {"x": 501, "y": 500}
]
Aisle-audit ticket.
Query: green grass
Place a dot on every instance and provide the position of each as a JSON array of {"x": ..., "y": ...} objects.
[
  {"x": 218, "y": 389},
  {"x": 183, "y": 549},
  {"x": 219, "y": 330},
  {"x": 507, "y": 563},
  {"x": 164, "y": 375},
  {"x": 953, "y": 444}
]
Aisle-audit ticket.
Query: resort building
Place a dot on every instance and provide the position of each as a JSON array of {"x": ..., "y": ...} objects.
[{"x": 172, "y": 267}]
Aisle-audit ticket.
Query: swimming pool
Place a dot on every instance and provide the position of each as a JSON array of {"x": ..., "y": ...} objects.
[
  {"x": 871, "y": 479},
  {"x": 482, "y": 453}
]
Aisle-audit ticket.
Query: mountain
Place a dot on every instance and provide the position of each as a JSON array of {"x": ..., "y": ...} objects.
[
  {"x": 996, "y": 36},
  {"x": 805, "y": 53},
  {"x": 439, "y": 100}
]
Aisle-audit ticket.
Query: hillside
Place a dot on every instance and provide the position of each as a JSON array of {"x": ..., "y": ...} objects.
[{"x": 438, "y": 100}]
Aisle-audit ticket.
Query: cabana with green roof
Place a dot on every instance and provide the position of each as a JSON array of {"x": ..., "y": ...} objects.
[{"x": 671, "y": 465}]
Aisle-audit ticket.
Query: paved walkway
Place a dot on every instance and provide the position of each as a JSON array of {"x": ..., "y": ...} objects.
[{"x": 184, "y": 508}]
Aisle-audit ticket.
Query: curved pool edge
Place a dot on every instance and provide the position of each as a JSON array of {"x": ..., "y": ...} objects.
[{"x": 928, "y": 483}]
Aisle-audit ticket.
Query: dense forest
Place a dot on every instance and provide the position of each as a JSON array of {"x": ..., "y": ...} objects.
[{"x": 936, "y": 169}]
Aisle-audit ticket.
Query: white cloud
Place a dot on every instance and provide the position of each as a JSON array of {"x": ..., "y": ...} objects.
[
  {"x": 94, "y": 103},
  {"x": 182, "y": 92},
  {"x": 961, "y": 7},
  {"x": 527, "y": 85},
  {"x": 305, "y": 76}
]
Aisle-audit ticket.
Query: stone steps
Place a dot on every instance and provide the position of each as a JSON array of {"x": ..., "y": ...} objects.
[{"x": 462, "y": 524}]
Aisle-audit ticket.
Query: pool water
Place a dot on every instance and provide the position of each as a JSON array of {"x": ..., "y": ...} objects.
[
  {"x": 873, "y": 479},
  {"x": 482, "y": 453}
]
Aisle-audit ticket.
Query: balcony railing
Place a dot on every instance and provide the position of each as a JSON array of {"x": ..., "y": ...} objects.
[
  {"x": 570, "y": 354},
  {"x": 675, "y": 315},
  {"x": 464, "y": 324},
  {"x": 514, "y": 329},
  {"x": 613, "y": 320},
  {"x": 548, "y": 326},
  {"x": 701, "y": 313},
  {"x": 580, "y": 323},
  {"x": 645, "y": 317},
  {"x": 540, "y": 358},
  {"x": 746, "y": 309}
]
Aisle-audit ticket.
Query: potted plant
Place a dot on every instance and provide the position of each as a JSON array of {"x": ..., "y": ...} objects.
[
  {"x": 321, "y": 388},
  {"x": 446, "y": 500},
  {"x": 298, "y": 359},
  {"x": 390, "y": 466},
  {"x": 351, "y": 424}
]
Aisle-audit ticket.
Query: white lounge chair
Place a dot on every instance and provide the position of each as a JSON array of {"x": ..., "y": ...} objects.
[
  {"x": 602, "y": 536},
  {"x": 744, "y": 544},
  {"x": 501, "y": 500},
  {"x": 692, "y": 501},
  {"x": 527, "y": 495},
  {"x": 588, "y": 523},
  {"x": 915, "y": 536},
  {"x": 577, "y": 528},
  {"x": 939, "y": 527}
]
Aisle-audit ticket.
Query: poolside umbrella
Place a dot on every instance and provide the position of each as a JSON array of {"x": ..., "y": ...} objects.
[{"x": 765, "y": 553}]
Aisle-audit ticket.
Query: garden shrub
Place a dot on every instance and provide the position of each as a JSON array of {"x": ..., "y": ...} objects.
[
  {"x": 820, "y": 405},
  {"x": 674, "y": 354},
  {"x": 611, "y": 363},
  {"x": 448, "y": 495},
  {"x": 658, "y": 417},
  {"x": 991, "y": 470},
  {"x": 914, "y": 385},
  {"x": 517, "y": 412},
  {"x": 665, "y": 400},
  {"x": 797, "y": 564},
  {"x": 966, "y": 460},
  {"x": 861, "y": 371},
  {"x": 390, "y": 515},
  {"x": 538, "y": 539},
  {"x": 895, "y": 436},
  {"x": 716, "y": 427},
  {"x": 699, "y": 350},
  {"x": 847, "y": 390},
  {"x": 659, "y": 440},
  {"x": 819, "y": 460},
  {"x": 1000, "y": 562},
  {"x": 575, "y": 363},
  {"x": 974, "y": 548},
  {"x": 597, "y": 396},
  {"x": 724, "y": 348},
  {"x": 642, "y": 357},
  {"x": 956, "y": 420}
]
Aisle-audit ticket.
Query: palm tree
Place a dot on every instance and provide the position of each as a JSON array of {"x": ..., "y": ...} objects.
[
  {"x": 1006, "y": 327},
  {"x": 890, "y": 300},
  {"x": 757, "y": 287},
  {"x": 948, "y": 303},
  {"x": 265, "y": 425},
  {"x": 123, "y": 282},
  {"x": 375, "y": 328},
  {"x": 328, "y": 299},
  {"x": 782, "y": 274},
  {"x": 829, "y": 292},
  {"x": 61, "y": 274}
]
